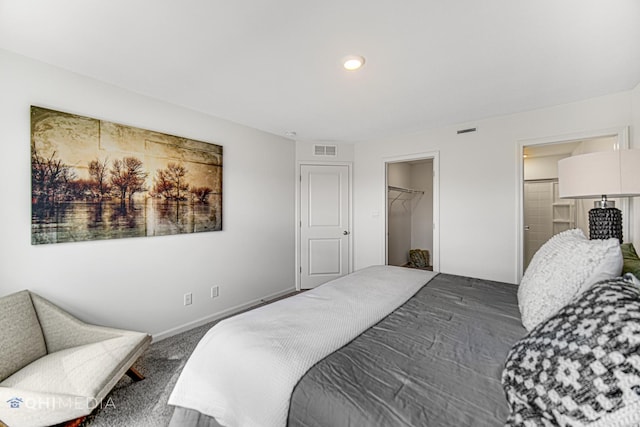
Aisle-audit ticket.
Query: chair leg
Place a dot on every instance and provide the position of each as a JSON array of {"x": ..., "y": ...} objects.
[
  {"x": 75, "y": 423},
  {"x": 134, "y": 374}
]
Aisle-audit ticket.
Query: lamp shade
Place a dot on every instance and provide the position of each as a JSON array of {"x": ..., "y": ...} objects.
[{"x": 592, "y": 175}]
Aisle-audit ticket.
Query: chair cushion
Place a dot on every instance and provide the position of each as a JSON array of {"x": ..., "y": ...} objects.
[
  {"x": 21, "y": 338},
  {"x": 80, "y": 371}
]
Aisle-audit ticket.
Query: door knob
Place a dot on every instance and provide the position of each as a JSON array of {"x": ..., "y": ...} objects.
[{"x": 345, "y": 232}]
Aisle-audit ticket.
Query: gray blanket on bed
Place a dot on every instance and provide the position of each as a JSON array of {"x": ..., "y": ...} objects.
[{"x": 436, "y": 361}]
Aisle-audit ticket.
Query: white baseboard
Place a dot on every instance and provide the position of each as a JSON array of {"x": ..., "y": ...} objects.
[{"x": 220, "y": 315}]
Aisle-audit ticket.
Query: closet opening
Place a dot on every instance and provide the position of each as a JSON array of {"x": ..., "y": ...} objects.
[{"x": 410, "y": 213}]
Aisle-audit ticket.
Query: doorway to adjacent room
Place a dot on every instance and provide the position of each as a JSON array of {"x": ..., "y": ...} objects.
[{"x": 542, "y": 213}]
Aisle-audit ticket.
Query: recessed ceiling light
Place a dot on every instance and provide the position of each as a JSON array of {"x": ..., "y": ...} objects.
[{"x": 353, "y": 62}]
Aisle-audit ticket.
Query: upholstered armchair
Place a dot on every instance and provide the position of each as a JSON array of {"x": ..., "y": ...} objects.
[{"x": 55, "y": 368}]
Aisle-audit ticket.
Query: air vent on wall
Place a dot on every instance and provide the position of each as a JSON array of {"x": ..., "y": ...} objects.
[{"x": 325, "y": 150}]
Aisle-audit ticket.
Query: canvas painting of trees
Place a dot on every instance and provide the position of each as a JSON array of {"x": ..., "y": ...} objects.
[{"x": 93, "y": 179}]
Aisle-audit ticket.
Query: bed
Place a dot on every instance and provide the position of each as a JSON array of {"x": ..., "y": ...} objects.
[
  {"x": 434, "y": 359},
  {"x": 391, "y": 346}
]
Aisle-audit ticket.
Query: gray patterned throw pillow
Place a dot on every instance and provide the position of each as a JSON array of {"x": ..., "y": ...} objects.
[{"x": 581, "y": 366}]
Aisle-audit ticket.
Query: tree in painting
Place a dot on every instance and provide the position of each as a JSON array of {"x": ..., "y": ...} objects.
[
  {"x": 50, "y": 179},
  {"x": 201, "y": 194},
  {"x": 171, "y": 182},
  {"x": 99, "y": 178},
  {"x": 128, "y": 177}
]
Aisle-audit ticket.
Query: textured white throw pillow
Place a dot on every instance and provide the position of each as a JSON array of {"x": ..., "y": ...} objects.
[{"x": 563, "y": 268}]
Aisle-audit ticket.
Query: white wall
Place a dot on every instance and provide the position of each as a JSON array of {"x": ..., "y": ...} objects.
[
  {"x": 478, "y": 182},
  {"x": 542, "y": 167},
  {"x": 139, "y": 283},
  {"x": 422, "y": 217},
  {"x": 593, "y": 145}
]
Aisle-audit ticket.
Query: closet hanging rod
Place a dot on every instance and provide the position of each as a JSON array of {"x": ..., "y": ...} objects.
[
  {"x": 405, "y": 190},
  {"x": 412, "y": 193}
]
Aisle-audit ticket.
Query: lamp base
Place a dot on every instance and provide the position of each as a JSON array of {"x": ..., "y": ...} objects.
[{"x": 605, "y": 223}]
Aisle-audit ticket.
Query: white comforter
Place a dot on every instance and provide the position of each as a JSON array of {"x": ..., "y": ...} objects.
[{"x": 245, "y": 368}]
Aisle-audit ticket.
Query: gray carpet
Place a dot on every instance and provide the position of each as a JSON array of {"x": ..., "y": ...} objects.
[{"x": 144, "y": 403}]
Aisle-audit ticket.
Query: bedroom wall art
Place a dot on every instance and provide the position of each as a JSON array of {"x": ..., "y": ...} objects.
[{"x": 93, "y": 179}]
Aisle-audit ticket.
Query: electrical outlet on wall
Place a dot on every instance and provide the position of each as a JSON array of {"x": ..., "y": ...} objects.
[
  {"x": 215, "y": 291},
  {"x": 188, "y": 298}
]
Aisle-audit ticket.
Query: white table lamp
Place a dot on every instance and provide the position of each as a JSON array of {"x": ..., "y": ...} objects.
[{"x": 600, "y": 175}]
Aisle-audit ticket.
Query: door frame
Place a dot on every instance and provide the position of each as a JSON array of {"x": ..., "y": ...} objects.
[
  {"x": 621, "y": 133},
  {"x": 428, "y": 155},
  {"x": 298, "y": 219}
]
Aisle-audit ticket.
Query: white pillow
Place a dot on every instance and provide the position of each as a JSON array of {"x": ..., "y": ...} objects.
[{"x": 563, "y": 268}]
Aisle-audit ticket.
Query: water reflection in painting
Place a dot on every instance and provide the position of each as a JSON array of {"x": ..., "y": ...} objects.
[
  {"x": 94, "y": 180},
  {"x": 76, "y": 221}
]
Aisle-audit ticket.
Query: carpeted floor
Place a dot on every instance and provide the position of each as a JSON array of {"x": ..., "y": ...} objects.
[{"x": 144, "y": 403}]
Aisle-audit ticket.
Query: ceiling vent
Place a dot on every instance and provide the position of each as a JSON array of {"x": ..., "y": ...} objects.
[{"x": 325, "y": 150}]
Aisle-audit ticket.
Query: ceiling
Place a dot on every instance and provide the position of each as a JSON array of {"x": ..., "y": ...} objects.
[
  {"x": 555, "y": 149},
  {"x": 550, "y": 150},
  {"x": 275, "y": 65}
]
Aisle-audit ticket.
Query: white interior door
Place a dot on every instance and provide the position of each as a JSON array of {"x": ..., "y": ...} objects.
[{"x": 324, "y": 223}]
